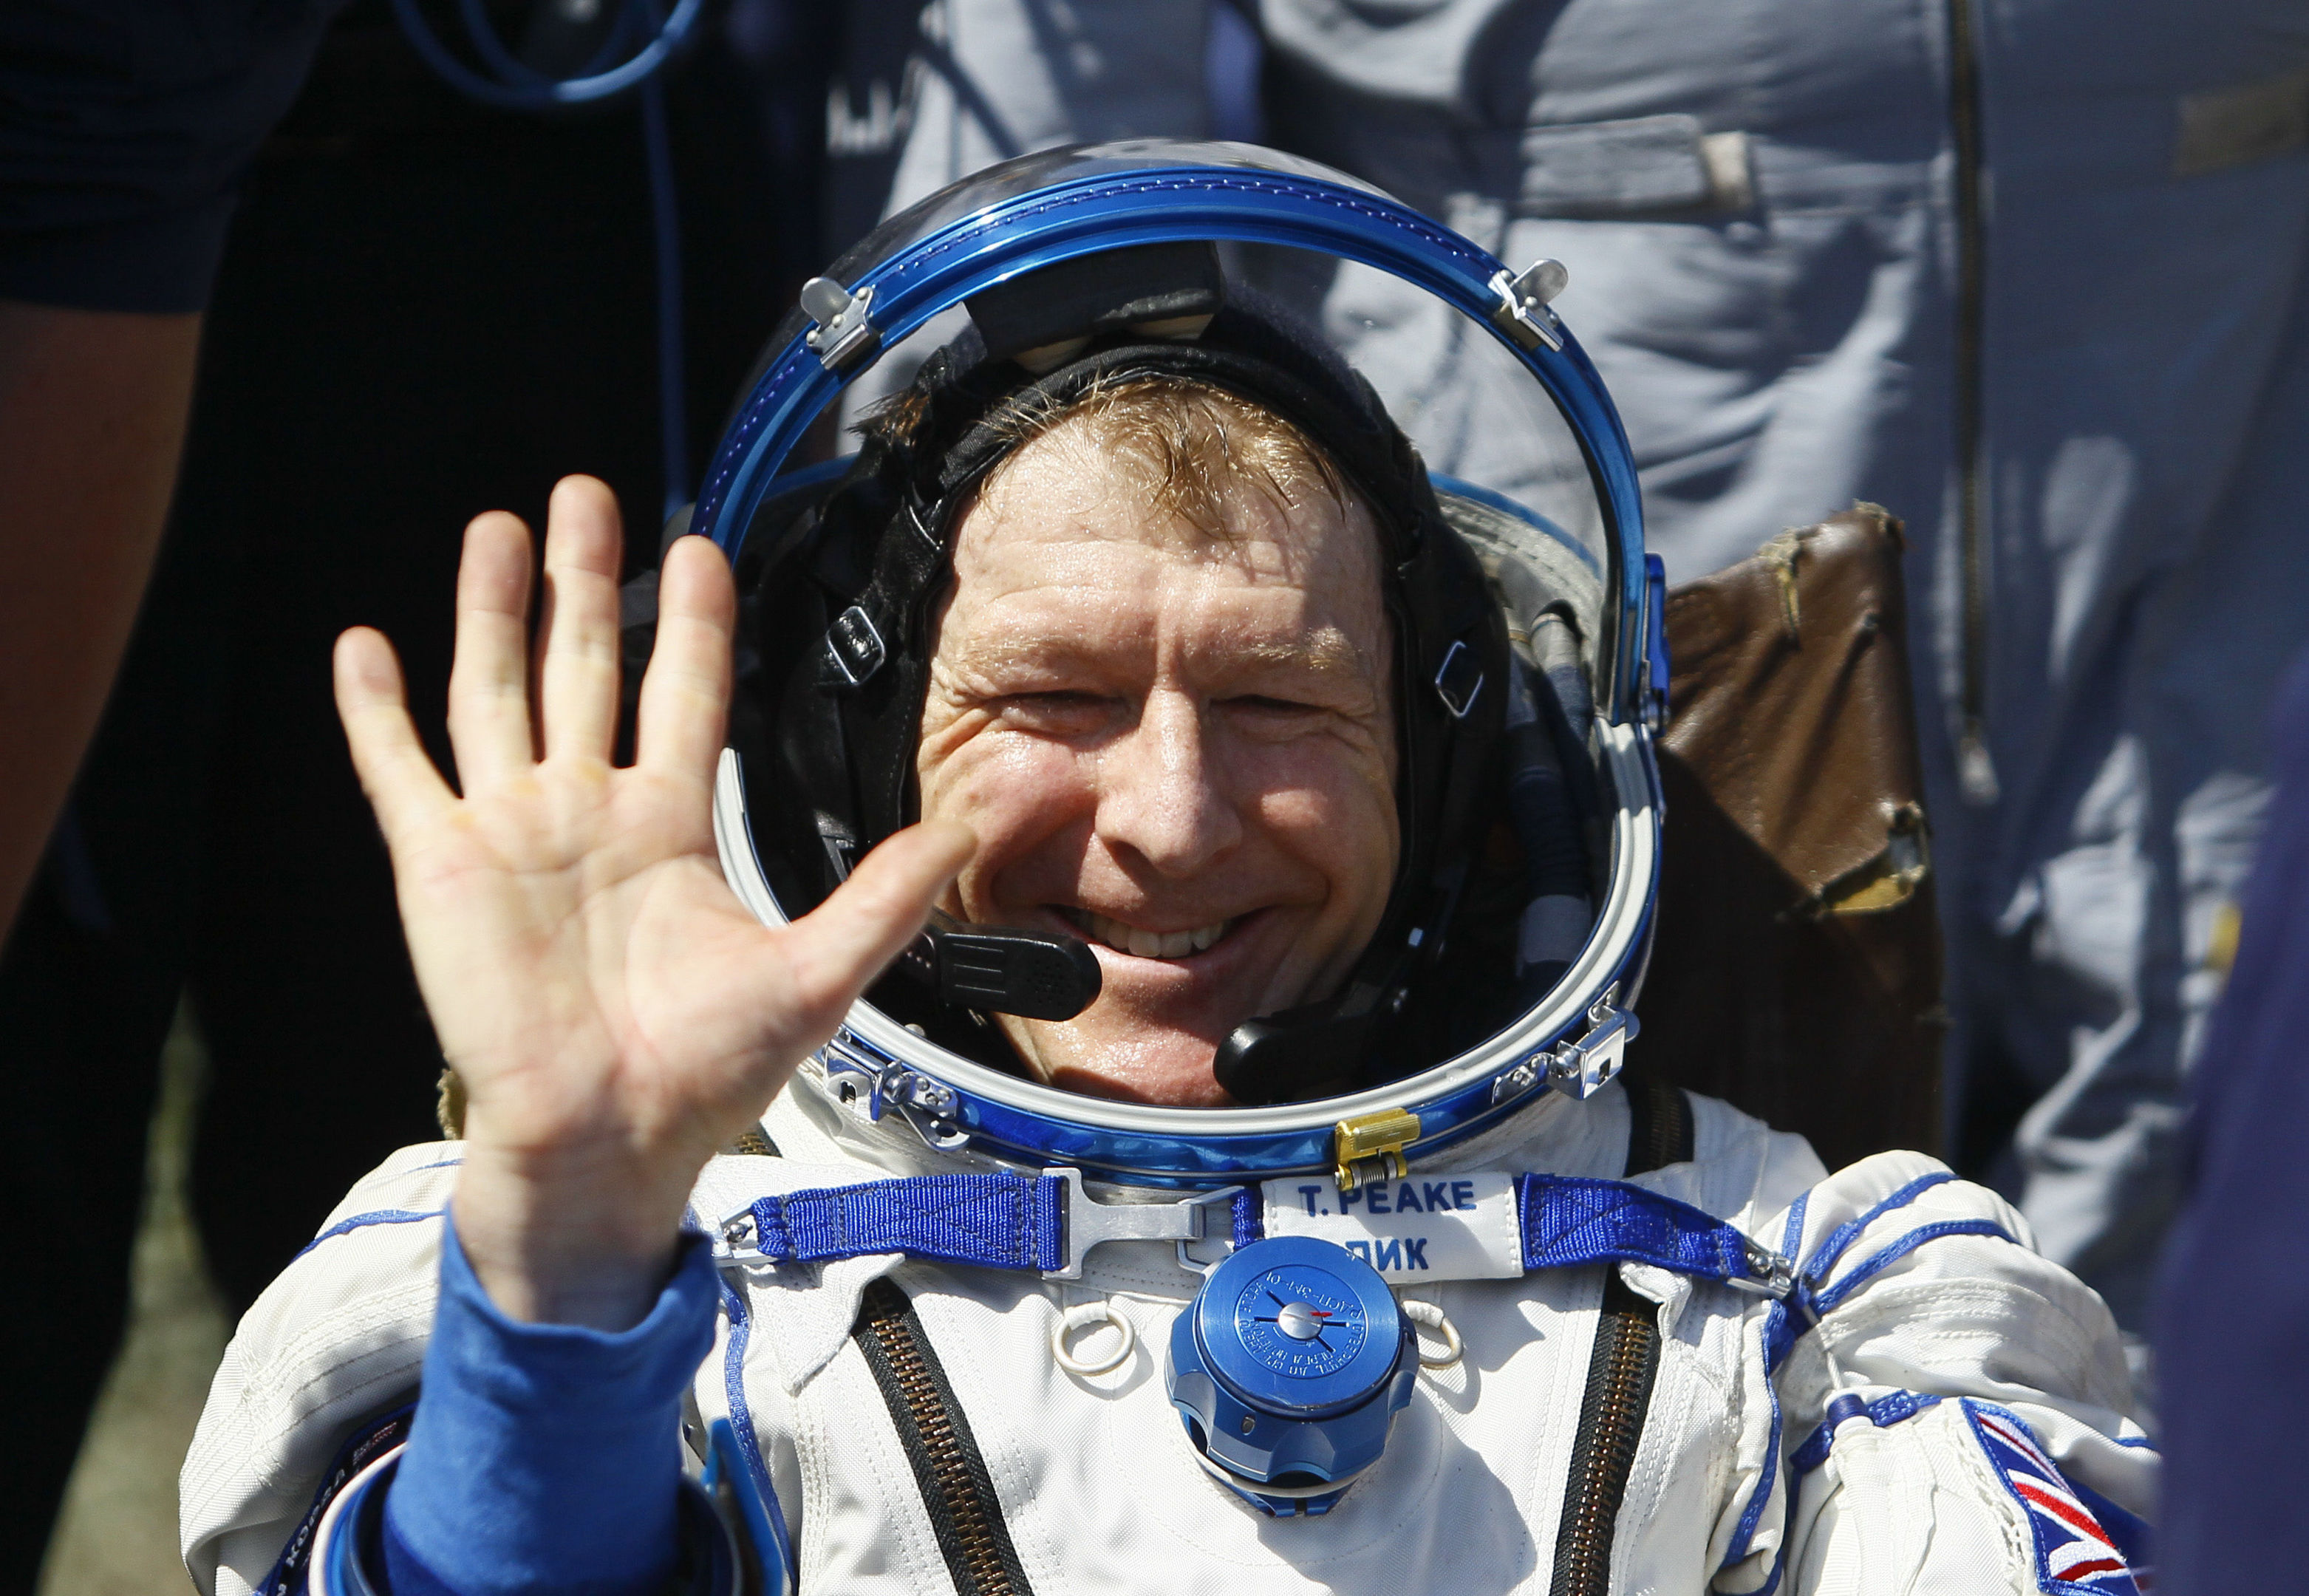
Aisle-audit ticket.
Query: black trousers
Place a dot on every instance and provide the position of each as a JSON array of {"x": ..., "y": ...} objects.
[{"x": 427, "y": 310}]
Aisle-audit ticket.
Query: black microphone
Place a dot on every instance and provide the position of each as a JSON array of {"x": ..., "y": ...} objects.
[
  {"x": 1297, "y": 1055},
  {"x": 1037, "y": 975}
]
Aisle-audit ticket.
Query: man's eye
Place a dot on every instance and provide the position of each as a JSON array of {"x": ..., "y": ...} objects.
[{"x": 1258, "y": 703}]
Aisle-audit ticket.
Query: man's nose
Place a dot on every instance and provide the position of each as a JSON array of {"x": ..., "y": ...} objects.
[{"x": 1159, "y": 795}]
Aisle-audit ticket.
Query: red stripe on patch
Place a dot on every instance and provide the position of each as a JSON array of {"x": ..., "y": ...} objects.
[{"x": 2076, "y": 1518}]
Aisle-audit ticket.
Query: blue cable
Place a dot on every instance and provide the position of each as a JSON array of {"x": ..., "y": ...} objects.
[
  {"x": 516, "y": 86},
  {"x": 529, "y": 90}
]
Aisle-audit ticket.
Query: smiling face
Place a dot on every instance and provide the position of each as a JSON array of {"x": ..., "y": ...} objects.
[{"x": 1174, "y": 741}]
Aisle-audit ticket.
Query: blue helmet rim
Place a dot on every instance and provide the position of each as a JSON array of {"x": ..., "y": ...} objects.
[{"x": 1161, "y": 202}]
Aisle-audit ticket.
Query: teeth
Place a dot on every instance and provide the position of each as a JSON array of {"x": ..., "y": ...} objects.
[{"x": 1149, "y": 944}]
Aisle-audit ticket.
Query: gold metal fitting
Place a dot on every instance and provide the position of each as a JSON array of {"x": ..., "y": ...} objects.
[{"x": 1369, "y": 1147}]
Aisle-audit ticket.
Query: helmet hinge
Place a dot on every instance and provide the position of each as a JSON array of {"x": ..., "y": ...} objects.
[{"x": 1369, "y": 1147}]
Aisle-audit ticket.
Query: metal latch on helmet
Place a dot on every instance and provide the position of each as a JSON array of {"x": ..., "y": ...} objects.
[
  {"x": 887, "y": 1087},
  {"x": 1581, "y": 1068},
  {"x": 1369, "y": 1147},
  {"x": 1088, "y": 1222},
  {"x": 844, "y": 338},
  {"x": 1522, "y": 312}
]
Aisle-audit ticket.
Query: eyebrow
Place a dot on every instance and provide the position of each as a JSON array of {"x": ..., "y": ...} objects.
[{"x": 1324, "y": 653}]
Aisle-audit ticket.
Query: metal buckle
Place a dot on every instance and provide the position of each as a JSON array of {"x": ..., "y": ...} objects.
[
  {"x": 1457, "y": 661},
  {"x": 736, "y": 1244},
  {"x": 1776, "y": 1276},
  {"x": 854, "y": 645},
  {"x": 1369, "y": 1147},
  {"x": 1089, "y": 1223},
  {"x": 1522, "y": 312},
  {"x": 843, "y": 337}
]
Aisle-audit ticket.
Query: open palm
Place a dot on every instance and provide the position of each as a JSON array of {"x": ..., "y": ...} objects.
[{"x": 615, "y": 1013}]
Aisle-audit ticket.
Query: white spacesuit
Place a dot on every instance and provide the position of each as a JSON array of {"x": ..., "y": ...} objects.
[{"x": 1489, "y": 1320}]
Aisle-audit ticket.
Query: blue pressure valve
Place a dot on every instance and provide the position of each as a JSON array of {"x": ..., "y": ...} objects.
[{"x": 1289, "y": 1367}]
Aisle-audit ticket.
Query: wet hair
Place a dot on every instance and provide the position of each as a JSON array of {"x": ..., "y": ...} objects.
[{"x": 1188, "y": 444}]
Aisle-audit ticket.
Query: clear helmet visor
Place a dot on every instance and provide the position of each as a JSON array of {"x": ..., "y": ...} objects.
[{"x": 1529, "y": 466}]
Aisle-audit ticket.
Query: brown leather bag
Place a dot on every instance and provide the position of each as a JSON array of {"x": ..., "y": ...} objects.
[{"x": 1797, "y": 971}]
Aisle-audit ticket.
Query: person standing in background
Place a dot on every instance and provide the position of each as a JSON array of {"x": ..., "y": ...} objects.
[
  {"x": 126, "y": 131},
  {"x": 2031, "y": 273},
  {"x": 2236, "y": 1392},
  {"x": 424, "y": 307}
]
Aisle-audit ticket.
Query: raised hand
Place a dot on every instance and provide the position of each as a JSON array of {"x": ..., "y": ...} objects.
[{"x": 615, "y": 1013}]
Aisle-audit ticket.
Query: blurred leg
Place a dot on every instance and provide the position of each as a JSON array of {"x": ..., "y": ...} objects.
[{"x": 81, "y": 1019}]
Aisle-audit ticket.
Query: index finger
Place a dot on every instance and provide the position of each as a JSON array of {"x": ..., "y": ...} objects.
[{"x": 395, "y": 772}]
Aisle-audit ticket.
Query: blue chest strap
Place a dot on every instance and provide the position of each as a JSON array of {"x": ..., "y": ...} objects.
[
  {"x": 997, "y": 1221},
  {"x": 1047, "y": 1224}
]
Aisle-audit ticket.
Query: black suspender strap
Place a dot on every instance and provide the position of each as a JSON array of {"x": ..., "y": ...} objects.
[{"x": 1619, "y": 1371}]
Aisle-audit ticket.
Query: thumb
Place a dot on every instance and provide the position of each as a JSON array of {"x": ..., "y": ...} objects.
[{"x": 844, "y": 942}]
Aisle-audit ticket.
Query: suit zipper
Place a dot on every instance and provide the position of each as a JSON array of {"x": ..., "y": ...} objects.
[
  {"x": 1619, "y": 1374},
  {"x": 1621, "y": 1369},
  {"x": 1976, "y": 770},
  {"x": 948, "y": 1469}
]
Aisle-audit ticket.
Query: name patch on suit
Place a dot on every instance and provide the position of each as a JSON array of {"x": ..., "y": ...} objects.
[{"x": 1444, "y": 1227}]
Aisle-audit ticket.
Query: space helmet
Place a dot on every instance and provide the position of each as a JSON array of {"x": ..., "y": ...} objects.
[{"x": 1529, "y": 678}]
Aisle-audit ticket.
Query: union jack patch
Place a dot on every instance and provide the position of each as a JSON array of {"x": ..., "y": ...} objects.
[{"x": 2075, "y": 1555}]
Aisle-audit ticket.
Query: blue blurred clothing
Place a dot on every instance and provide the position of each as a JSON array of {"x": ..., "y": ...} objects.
[
  {"x": 1760, "y": 202},
  {"x": 125, "y": 127},
  {"x": 2235, "y": 1311},
  {"x": 546, "y": 1457}
]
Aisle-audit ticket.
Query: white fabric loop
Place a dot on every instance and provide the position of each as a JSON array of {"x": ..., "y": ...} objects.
[
  {"x": 1428, "y": 1316},
  {"x": 1088, "y": 1316}
]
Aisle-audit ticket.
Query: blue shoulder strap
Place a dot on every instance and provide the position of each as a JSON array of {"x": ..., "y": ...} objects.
[{"x": 1567, "y": 1221}]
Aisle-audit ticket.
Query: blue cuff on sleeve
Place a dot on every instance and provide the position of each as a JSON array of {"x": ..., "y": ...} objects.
[{"x": 546, "y": 1457}]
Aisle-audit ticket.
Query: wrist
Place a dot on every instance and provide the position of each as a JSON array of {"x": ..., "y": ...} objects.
[{"x": 578, "y": 1235}]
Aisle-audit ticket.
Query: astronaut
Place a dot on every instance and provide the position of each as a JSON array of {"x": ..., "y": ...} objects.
[{"x": 1176, "y": 872}]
